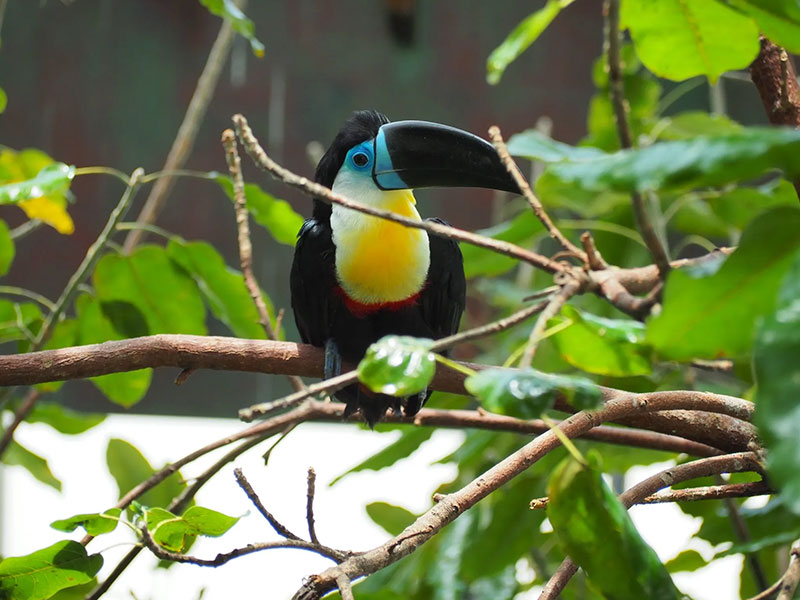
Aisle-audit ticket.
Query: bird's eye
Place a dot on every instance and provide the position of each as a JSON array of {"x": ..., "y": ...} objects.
[{"x": 360, "y": 159}]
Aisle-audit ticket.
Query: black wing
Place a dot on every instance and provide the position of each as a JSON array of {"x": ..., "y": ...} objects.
[
  {"x": 443, "y": 299},
  {"x": 312, "y": 281}
]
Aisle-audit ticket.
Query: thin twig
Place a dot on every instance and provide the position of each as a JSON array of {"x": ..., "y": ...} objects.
[
  {"x": 23, "y": 410},
  {"x": 224, "y": 557},
  {"x": 245, "y": 245},
  {"x": 571, "y": 287},
  {"x": 527, "y": 192},
  {"x": 791, "y": 578},
  {"x": 251, "y": 494},
  {"x": 594, "y": 259},
  {"x": 312, "y": 532},
  {"x": 710, "y": 492},
  {"x": 345, "y": 590},
  {"x": 187, "y": 133},
  {"x": 620, "y": 107},
  {"x": 316, "y": 190}
]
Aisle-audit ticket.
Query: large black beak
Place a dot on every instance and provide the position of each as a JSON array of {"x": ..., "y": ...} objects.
[{"x": 417, "y": 154}]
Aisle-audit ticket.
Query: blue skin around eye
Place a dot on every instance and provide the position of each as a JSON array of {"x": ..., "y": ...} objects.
[{"x": 383, "y": 172}]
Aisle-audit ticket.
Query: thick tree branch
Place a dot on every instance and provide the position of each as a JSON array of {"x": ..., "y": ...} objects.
[{"x": 721, "y": 424}]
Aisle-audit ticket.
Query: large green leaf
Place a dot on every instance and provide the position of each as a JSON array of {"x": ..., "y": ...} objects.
[
  {"x": 223, "y": 288},
  {"x": 603, "y": 346},
  {"x": 405, "y": 445},
  {"x": 394, "y": 519},
  {"x": 129, "y": 468},
  {"x": 776, "y": 361},
  {"x": 481, "y": 261},
  {"x": 714, "y": 316},
  {"x": 778, "y": 20},
  {"x": 148, "y": 279},
  {"x": 535, "y": 145},
  {"x": 595, "y": 530},
  {"x": 273, "y": 214},
  {"x": 520, "y": 38},
  {"x": 693, "y": 123},
  {"x": 398, "y": 365},
  {"x": 684, "y": 164},
  {"x": 6, "y": 248},
  {"x": 16, "y": 454},
  {"x": 62, "y": 418},
  {"x": 688, "y": 560},
  {"x": 527, "y": 393},
  {"x": 228, "y": 10},
  {"x": 125, "y": 389},
  {"x": 39, "y": 575},
  {"x": 678, "y": 39},
  {"x": 93, "y": 523}
]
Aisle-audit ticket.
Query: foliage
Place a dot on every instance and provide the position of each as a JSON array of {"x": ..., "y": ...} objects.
[{"x": 707, "y": 182}]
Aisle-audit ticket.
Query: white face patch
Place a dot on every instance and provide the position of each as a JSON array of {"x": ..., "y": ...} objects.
[{"x": 377, "y": 261}]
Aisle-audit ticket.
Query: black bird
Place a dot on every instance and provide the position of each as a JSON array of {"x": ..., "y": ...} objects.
[{"x": 356, "y": 278}]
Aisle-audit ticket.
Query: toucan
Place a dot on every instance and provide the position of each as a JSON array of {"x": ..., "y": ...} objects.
[{"x": 356, "y": 278}]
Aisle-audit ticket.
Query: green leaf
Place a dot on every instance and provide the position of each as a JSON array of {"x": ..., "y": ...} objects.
[
  {"x": 698, "y": 314},
  {"x": 228, "y": 10},
  {"x": 398, "y": 365},
  {"x": 678, "y": 39},
  {"x": 776, "y": 362},
  {"x": 93, "y": 523},
  {"x": 148, "y": 279},
  {"x": 17, "y": 317},
  {"x": 739, "y": 206},
  {"x": 37, "y": 466},
  {"x": 3, "y": 100},
  {"x": 6, "y": 248},
  {"x": 594, "y": 344},
  {"x": 527, "y": 393},
  {"x": 778, "y": 20},
  {"x": 534, "y": 145},
  {"x": 693, "y": 123},
  {"x": 39, "y": 575},
  {"x": 481, "y": 261},
  {"x": 688, "y": 560},
  {"x": 125, "y": 389},
  {"x": 63, "y": 419},
  {"x": 684, "y": 164},
  {"x": 394, "y": 519},
  {"x": 175, "y": 532},
  {"x": 273, "y": 214},
  {"x": 405, "y": 445},
  {"x": 129, "y": 468},
  {"x": 595, "y": 530},
  {"x": 520, "y": 38},
  {"x": 224, "y": 289}
]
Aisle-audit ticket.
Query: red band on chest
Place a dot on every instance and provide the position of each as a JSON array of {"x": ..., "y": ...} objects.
[{"x": 361, "y": 309}]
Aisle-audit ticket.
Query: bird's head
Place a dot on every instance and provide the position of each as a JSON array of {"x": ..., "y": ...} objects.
[{"x": 371, "y": 155}]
